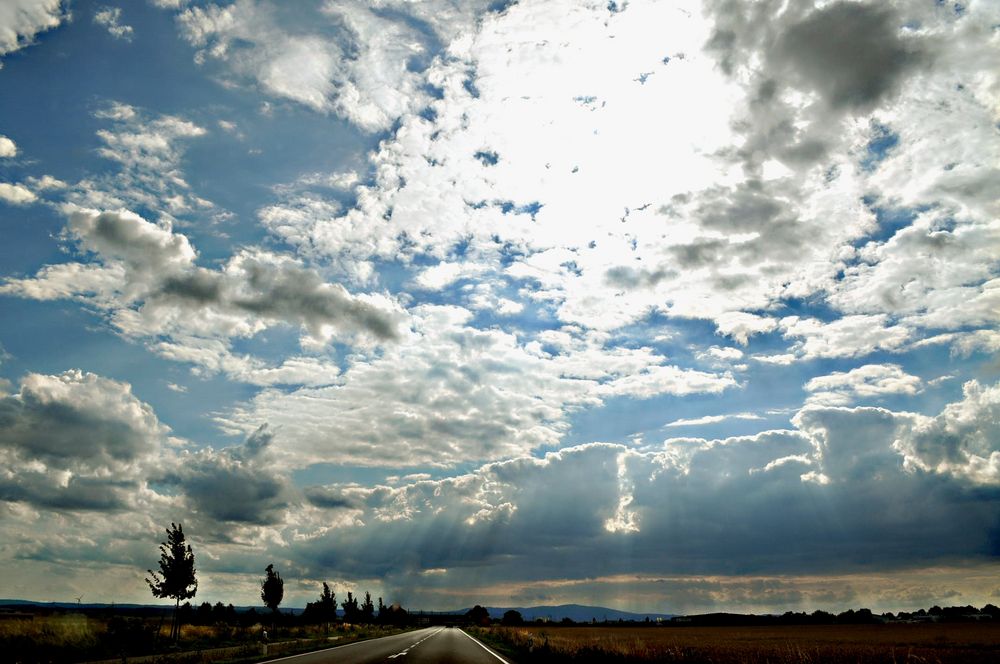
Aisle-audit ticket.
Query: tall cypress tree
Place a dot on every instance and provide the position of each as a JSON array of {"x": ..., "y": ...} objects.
[
  {"x": 272, "y": 589},
  {"x": 177, "y": 574}
]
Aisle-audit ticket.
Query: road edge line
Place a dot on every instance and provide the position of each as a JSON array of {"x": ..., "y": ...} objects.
[{"x": 483, "y": 646}]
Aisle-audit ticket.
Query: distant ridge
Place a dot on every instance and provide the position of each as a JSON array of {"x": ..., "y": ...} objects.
[
  {"x": 10, "y": 603},
  {"x": 575, "y": 612}
]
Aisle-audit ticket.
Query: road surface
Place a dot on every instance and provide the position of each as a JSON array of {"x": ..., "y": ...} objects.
[{"x": 433, "y": 645}]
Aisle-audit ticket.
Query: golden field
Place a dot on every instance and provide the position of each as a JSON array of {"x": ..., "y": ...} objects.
[{"x": 931, "y": 643}]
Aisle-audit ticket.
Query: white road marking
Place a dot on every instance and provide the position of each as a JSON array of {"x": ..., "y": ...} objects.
[
  {"x": 404, "y": 652},
  {"x": 344, "y": 645},
  {"x": 477, "y": 641}
]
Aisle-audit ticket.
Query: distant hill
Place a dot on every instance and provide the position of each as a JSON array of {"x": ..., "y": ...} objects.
[
  {"x": 138, "y": 607},
  {"x": 575, "y": 612},
  {"x": 78, "y": 605}
]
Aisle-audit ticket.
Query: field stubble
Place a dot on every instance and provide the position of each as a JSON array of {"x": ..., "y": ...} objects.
[
  {"x": 958, "y": 643},
  {"x": 76, "y": 637}
]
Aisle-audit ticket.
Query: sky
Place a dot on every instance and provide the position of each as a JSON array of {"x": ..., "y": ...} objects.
[{"x": 662, "y": 306}]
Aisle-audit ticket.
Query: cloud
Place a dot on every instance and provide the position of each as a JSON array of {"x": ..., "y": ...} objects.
[
  {"x": 444, "y": 274},
  {"x": 240, "y": 484},
  {"x": 865, "y": 382},
  {"x": 833, "y": 495},
  {"x": 711, "y": 419},
  {"x": 347, "y": 58},
  {"x": 110, "y": 18},
  {"x": 149, "y": 152},
  {"x": 962, "y": 441},
  {"x": 8, "y": 148},
  {"x": 449, "y": 392},
  {"x": 21, "y": 20},
  {"x": 936, "y": 271},
  {"x": 853, "y": 54},
  {"x": 16, "y": 194},
  {"x": 146, "y": 279},
  {"x": 75, "y": 441},
  {"x": 848, "y": 336}
]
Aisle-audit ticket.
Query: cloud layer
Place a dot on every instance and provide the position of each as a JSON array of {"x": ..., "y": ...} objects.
[{"x": 692, "y": 303}]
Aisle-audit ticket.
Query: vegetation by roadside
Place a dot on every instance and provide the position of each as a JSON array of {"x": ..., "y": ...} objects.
[
  {"x": 956, "y": 643},
  {"x": 75, "y": 637}
]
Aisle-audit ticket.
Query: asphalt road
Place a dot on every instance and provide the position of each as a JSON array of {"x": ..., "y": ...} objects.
[{"x": 433, "y": 645}]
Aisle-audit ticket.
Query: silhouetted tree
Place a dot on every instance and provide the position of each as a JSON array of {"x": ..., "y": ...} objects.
[
  {"x": 393, "y": 615},
  {"x": 478, "y": 616},
  {"x": 367, "y": 609},
  {"x": 249, "y": 618},
  {"x": 381, "y": 610},
  {"x": 176, "y": 578},
  {"x": 325, "y": 609},
  {"x": 512, "y": 618},
  {"x": 272, "y": 588},
  {"x": 351, "y": 610}
]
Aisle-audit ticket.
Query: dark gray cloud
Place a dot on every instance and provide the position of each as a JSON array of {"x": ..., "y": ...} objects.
[
  {"x": 199, "y": 286},
  {"x": 329, "y": 498},
  {"x": 697, "y": 254},
  {"x": 277, "y": 291},
  {"x": 833, "y": 495},
  {"x": 852, "y": 53},
  {"x": 241, "y": 484},
  {"x": 79, "y": 493},
  {"x": 151, "y": 286},
  {"x": 625, "y": 276},
  {"x": 855, "y": 57},
  {"x": 745, "y": 208},
  {"x": 293, "y": 293}
]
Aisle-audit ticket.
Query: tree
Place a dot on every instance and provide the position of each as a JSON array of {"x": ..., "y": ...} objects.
[
  {"x": 176, "y": 578},
  {"x": 477, "y": 615},
  {"x": 272, "y": 588},
  {"x": 368, "y": 609},
  {"x": 351, "y": 610},
  {"x": 324, "y": 610},
  {"x": 512, "y": 618}
]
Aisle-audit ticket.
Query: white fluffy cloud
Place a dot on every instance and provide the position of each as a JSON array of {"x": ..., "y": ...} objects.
[
  {"x": 447, "y": 392},
  {"x": 865, "y": 382},
  {"x": 7, "y": 147},
  {"x": 962, "y": 441},
  {"x": 75, "y": 441},
  {"x": 16, "y": 194},
  {"x": 350, "y": 58},
  {"x": 21, "y": 20},
  {"x": 149, "y": 153},
  {"x": 110, "y": 18}
]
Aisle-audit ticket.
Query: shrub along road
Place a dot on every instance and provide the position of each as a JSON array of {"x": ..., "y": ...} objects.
[{"x": 434, "y": 645}]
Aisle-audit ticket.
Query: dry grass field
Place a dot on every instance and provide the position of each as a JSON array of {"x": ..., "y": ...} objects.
[
  {"x": 944, "y": 643},
  {"x": 75, "y": 637}
]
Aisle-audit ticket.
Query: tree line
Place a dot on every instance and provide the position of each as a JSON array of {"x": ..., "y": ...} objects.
[{"x": 177, "y": 580}]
